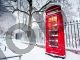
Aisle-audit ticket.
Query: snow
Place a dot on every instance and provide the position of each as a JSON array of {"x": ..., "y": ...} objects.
[
  {"x": 36, "y": 53},
  {"x": 39, "y": 53}
]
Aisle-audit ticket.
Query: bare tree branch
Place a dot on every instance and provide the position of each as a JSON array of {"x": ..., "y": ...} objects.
[
  {"x": 37, "y": 11},
  {"x": 11, "y": 5},
  {"x": 42, "y": 7},
  {"x": 20, "y": 11},
  {"x": 45, "y": 5}
]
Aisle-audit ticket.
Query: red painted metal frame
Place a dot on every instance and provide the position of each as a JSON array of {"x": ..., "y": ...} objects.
[{"x": 55, "y": 11}]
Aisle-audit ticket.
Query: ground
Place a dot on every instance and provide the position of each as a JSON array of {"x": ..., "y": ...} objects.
[{"x": 37, "y": 53}]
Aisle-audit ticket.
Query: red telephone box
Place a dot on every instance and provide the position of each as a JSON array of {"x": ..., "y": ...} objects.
[{"x": 55, "y": 43}]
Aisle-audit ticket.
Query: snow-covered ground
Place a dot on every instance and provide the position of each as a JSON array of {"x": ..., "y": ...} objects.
[
  {"x": 39, "y": 53},
  {"x": 35, "y": 54}
]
